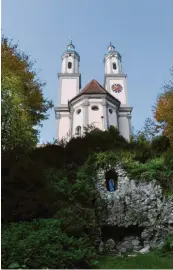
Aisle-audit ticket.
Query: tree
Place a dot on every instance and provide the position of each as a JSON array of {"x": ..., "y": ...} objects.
[
  {"x": 23, "y": 103},
  {"x": 16, "y": 127},
  {"x": 150, "y": 129},
  {"x": 163, "y": 111}
]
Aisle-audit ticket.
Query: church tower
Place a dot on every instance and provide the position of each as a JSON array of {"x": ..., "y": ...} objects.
[
  {"x": 69, "y": 85},
  {"x": 69, "y": 78},
  {"x": 116, "y": 84},
  {"x": 94, "y": 104}
]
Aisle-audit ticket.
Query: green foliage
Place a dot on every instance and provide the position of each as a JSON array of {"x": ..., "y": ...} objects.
[
  {"x": 49, "y": 156},
  {"x": 56, "y": 175},
  {"x": 150, "y": 129},
  {"x": 141, "y": 147},
  {"x": 25, "y": 190},
  {"x": 143, "y": 171},
  {"x": 89, "y": 128},
  {"x": 159, "y": 145},
  {"x": 53, "y": 193},
  {"x": 23, "y": 103},
  {"x": 81, "y": 204},
  {"x": 168, "y": 159},
  {"x": 146, "y": 146},
  {"x": 159, "y": 168},
  {"x": 163, "y": 110},
  {"x": 58, "y": 181},
  {"x": 107, "y": 160},
  {"x": 44, "y": 244},
  {"x": 16, "y": 127},
  {"x": 157, "y": 259},
  {"x": 156, "y": 168},
  {"x": 94, "y": 142},
  {"x": 151, "y": 260},
  {"x": 168, "y": 245}
]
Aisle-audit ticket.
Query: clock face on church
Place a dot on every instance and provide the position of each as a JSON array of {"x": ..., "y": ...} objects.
[{"x": 117, "y": 88}]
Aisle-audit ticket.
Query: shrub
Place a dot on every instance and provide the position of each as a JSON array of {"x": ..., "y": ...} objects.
[
  {"x": 75, "y": 199},
  {"x": 43, "y": 244},
  {"x": 37, "y": 189},
  {"x": 94, "y": 142},
  {"x": 49, "y": 156},
  {"x": 159, "y": 168},
  {"x": 168, "y": 245},
  {"x": 159, "y": 145},
  {"x": 143, "y": 171},
  {"x": 168, "y": 158},
  {"x": 25, "y": 192}
]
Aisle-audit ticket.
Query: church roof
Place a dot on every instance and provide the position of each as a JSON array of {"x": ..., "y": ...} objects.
[{"x": 93, "y": 87}]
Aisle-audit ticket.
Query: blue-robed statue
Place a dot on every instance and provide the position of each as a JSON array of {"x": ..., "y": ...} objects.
[{"x": 111, "y": 185}]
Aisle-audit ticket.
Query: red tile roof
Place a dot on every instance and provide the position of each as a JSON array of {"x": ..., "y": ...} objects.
[{"x": 93, "y": 87}]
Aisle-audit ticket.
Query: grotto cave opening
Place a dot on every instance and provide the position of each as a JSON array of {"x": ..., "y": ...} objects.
[{"x": 118, "y": 233}]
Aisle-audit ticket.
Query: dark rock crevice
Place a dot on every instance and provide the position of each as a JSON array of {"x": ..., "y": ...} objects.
[
  {"x": 121, "y": 239},
  {"x": 118, "y": 233}
]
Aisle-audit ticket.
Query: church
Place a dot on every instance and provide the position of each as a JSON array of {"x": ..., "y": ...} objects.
[{"x": 96, "y": 105}]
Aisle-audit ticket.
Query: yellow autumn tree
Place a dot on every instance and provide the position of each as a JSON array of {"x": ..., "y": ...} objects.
[{"x": 163, "y": 111}]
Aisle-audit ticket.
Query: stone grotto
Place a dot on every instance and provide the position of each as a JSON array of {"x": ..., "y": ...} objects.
[{"x": 135, "y": 215}]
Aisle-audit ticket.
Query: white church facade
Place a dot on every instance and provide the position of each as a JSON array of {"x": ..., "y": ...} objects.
[{"x": 101, "y": 106}]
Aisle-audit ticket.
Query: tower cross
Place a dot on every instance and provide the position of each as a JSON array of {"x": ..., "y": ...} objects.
[{"x": 70, "y": 37}]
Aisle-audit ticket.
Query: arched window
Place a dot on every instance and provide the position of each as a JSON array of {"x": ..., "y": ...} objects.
[
  {"x": 95, "y": 108},
  {"x": 114, "y": 66},
  {"x": 111, "y": 180},
  {"x": 78, "y": 111},
  {"x": 78, "y": 131},
  {"x": 69, "y": 65}
]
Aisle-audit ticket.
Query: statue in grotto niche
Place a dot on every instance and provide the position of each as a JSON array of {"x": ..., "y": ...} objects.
[{"x": 111, "y": 180}]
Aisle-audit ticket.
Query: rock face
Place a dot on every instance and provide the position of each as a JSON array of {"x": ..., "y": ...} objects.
[{"x": 135, "y": 203}]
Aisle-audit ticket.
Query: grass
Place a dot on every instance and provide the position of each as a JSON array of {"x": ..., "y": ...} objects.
[{"x": 151, "y": 260}]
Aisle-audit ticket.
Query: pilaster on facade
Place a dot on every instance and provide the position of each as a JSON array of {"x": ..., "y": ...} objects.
[
  {"x": 85, "y": 102},
  {"x": 85, "y": 106},
  {"x": 57, "y": 115},
  {"x": 104, "y": 104},
  {"x": 71, "y": 123}
]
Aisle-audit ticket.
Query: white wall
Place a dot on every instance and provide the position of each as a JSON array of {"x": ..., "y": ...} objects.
[
  {"x": 112, "y": 118},
  {"x": 75, "y": 64},
  {"x": 109, "y": 67},
  {"x": 122, "y": 96},
  {"x": 63, "y": 65},
  {"x": 77, "y": 118},
  {"x": 94, "y": 117},
  {"x": 124, "y": 127},
  {"x": 68, "y": 90},
  {"x": 64, "y": 126}
]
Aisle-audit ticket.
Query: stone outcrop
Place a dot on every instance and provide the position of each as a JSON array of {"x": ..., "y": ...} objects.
[{"x": 134, "y": 203}]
